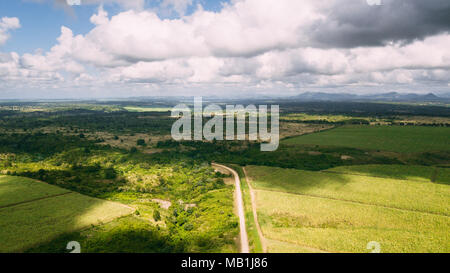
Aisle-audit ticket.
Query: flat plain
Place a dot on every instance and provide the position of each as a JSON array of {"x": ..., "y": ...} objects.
[
  {"x": 405, "y": 139},
  {"x": 305, "y": 211},
  {"x": 32, "y": 221}
]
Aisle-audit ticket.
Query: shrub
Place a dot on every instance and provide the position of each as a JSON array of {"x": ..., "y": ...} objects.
[
  {"x": 156, "y": 215},
  {"x": 109, "y": 173},
  {"x": 140, "y": 142},
  {"x": 188, "y": 227}
]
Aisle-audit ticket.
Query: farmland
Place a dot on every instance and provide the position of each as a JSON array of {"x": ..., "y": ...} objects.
[
  {"x": 181, "y": 129},
  {"x": 337, "y": 226},
  {"x": 14, "y": 190},
  {"x": 342, "y": 213},
  {"x": 403, "y": 172},
  {"x": 403, "y": 194},
  {"x": 331, "y": 170},
  {"x": 147, "y": 109},
  {"x": 400, "y": 204},
  {"x": 388, "y": 138},
  {"x": 26, "y": 221}
]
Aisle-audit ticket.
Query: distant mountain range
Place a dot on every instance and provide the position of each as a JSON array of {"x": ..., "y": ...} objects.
[
  {"x": 443, "y": 98},
  {"x": 386, "y": 97}
]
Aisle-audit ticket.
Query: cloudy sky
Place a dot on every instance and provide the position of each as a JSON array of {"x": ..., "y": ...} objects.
[{"x": 120, "y": 48}]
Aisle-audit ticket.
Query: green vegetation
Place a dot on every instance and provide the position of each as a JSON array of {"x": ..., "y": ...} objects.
[
  {"x": 210, "y": 226},
  {"x": 275, "y": 246},
  {"x": 386, "y": 138},
  {"x": 287, "y": 156},
  {"x": 338, "y": 212},
  {"x": 327, "y": 119},
  {"x": 199, "y": 217},
  {"x": 343, "y": 146},
  {"x": 403, "y": 194},
  {"x": 147, "y": 109},
  {"x": 404, "y": 172},
  {"x": 124, "y": 235},
  {"x": 14, "y": 190},
  {"x": 385, "y": 111},
  {"x": 84, "y": 120},
  {"x": 156, "y": 215},
  {"x": 200, "y": 213},
  {"x": 344, "y": 186},
  {"x": 338, "y": 226},
  {"x": 37, "y": 221},
  {"x": 141, "y": 142},
  {"x": 252, "y": 232}
]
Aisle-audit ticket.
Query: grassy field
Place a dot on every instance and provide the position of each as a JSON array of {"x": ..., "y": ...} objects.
[
  {"x": 403, "y": 194},
  {"x": 15, "y": 190},
  {"x": 325, "y": 118},
  {"x": 127, "y": 234},
  {"x": 36, "y": 221},
  {"x": 141, "y": 233},
  {"x": 274, "y": 246},
  {"x": 303, "y": 211},
  {"x": 404, "y": 139},
  {"x": 147, "y": 109},
  {"x": 179, "y": 204},
  {"x": 337, "y": 226},
  {"x": 405, "y": 172}
]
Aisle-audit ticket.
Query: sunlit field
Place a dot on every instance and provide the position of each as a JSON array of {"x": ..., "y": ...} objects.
[
  {"x": 235, "y": 127},
  {"x": 402, "y": 194},
  {"x": 404, "y": 172},
  {"x": 83, "y": 164},
  {"x": 406, "y": 139},
  {"x": 343, "y": 212},
  {"x": 27, "y": 221},
  {"x": 15, "y": 190},
  {"x": 322, "y": 224}
]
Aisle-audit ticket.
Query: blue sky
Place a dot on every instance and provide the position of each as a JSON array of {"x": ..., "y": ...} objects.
[
  {"x": 41, "y": 21},
  {"x": 41, "y": 24},
  {"x": 246, "y": 47}
]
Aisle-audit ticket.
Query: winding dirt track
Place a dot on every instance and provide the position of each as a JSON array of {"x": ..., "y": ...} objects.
[{"x": 240, "y": 207}]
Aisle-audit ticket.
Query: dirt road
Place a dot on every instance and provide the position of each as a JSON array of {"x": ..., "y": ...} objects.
[
  {"x": 240, "y": 208},
  {"x": 255, "y": 214}
]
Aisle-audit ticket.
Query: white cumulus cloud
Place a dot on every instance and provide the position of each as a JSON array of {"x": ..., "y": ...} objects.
[
  {"x": 247, "y": 46},
  {"x": 7, "y": 24}
]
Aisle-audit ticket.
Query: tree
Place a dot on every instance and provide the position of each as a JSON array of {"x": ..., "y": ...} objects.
[
  {"x": 109, "y": 173},
  {"x": 140, "y": 142},
  {"x": 156, "y": 215}
]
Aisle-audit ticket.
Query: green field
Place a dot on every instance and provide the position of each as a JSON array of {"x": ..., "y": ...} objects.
[
  {"x": 274, "y": 246},
  {"x": 403, "y": 194},
  {"x": 128, "y": 234},
  {"x": 147, "y": 109},
  {"x": 339, "y": 212},
  {"x": 15, "y": 190},
  {"x": 337, "y": 226},
  {"x": 323, "y": 118},
  {"x": 328, "y": 191},
  {"x": 405, "y": 172},
  {"x": 36, "y": 221},
  {"x": 404, "y": 139}
]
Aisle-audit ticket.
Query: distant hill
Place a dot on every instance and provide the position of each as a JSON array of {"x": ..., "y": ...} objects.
[{"x": 391, "y": 97}]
